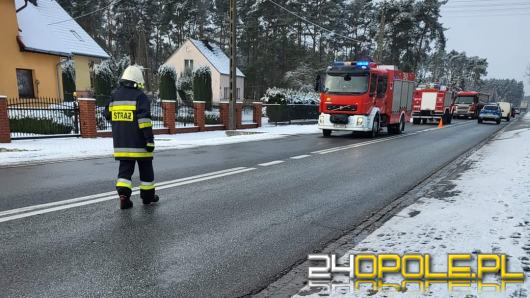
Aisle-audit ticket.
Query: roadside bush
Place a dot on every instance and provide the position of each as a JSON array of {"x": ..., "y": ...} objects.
[
  {"x": 39, "y": 126},
  {"x": 103, "y": 82},
  {"x": 287, "y": 105},
  {"x": 68, "y": 74},
  {"x": 290, "y": 96}
]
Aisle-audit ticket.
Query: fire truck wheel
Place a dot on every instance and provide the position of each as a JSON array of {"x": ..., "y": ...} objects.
[
  {"x": 446, "y": 118},
  {"x": 416, "y": 121},
  {"x": 401, "y": 127},
  {"x": 424, "y": 121},
  {"x": 326, "y": 133},
  {"x": 375, "y": 127}
]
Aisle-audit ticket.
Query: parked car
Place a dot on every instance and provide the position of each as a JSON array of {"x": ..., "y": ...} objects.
[
  {"x": 517, "y": 111},
  {"x": 490, "y": 112},
  {"x": 506, "y": 110}
]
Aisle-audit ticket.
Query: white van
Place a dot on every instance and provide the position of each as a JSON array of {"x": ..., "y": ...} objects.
[{"x": 506, "y": 108}]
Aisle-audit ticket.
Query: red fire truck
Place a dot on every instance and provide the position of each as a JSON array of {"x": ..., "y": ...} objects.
[
  {"x": 362, "y": 96},
  {"x": 469, "y": 103},
  {"x": 432, "y": 102}
]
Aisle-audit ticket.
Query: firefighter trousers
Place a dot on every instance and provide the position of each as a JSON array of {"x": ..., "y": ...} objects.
[{"x": 147, "y": 177}]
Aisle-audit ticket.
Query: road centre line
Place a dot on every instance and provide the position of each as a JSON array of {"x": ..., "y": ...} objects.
[
  {"x": 300, "y": 156},
  {"x": 77, "y": 202},
  {"x": 272, "y": 163},
  {"x": 341, "y": 148}
]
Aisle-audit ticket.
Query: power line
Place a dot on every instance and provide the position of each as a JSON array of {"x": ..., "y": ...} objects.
[
  {"x": 477, "y": 2},
  {"x": 87, "y": 14},
  {"x": 487, "y": 15},
  {"x": 314, "y": 24},
  {"x": 504, "y": 5}
]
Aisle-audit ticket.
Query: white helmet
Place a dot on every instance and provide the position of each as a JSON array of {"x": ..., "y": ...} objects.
[{"x": 133, "y": 73}]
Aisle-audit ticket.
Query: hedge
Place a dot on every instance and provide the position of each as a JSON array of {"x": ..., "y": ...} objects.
[{"x": 39, "y": 126}]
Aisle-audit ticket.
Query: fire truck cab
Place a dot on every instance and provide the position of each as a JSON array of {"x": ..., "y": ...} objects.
[
  {"x": 469, "y": 103},
  {"x": 362, "y": 96}
]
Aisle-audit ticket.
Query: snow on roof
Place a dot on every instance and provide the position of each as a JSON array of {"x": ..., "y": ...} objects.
[
  {"x": 216, "y": 56},
  {"x": 43, "y": 30}
]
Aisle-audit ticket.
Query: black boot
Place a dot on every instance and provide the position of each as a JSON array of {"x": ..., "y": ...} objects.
[
  {"x": 125, "y": 203},
  {"x": 148, "y": 201}
]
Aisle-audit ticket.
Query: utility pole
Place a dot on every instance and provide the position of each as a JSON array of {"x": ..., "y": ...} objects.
[
  {"x": 381, "y": 35},
  {"x": 233, "y": 66}
]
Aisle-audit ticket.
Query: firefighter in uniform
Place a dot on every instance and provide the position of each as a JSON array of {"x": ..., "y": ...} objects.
[{"x": 132, "y": 132}]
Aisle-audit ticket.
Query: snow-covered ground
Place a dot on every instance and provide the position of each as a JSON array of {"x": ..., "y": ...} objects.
[
  {"x": 486, "y": 208},
  {"x": 44, "y": 150}
]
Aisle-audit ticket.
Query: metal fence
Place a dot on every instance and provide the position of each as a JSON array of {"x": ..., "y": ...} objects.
[
  {"x": 42, "y": 118},
  {"x": 185, "y": 114},
  {"x": 290, "y": 112},
  {"x": 157, "y": 115},
  {"x": 213, "y": 116}
]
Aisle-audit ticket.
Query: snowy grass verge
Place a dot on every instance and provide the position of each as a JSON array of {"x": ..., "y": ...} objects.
[
  {"x": 485, "y": 209},
  {"x": 21, "y": 152}
]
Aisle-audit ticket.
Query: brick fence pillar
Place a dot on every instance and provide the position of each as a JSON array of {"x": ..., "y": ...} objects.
[
  {"x": 239, "y": 115},
  {"x": 223, "y": 110},
  {"x": 199, "y": 108},
  {"x": 5, "y": 132},
  {"x": 170, "y": 109},
  {"x": 257, "y": 110},
  {"x": 87, "y": 117}
]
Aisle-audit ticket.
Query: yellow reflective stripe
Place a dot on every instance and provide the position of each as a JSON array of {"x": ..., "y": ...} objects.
[
  {"x": 133, "y": 154},
  {"x": 145, "y": 125},
  {"x": 124, "y": 184},
  {"x": 122, "y": 108},
  {"x": 150, "y": 144},
  {"x": 147, "y": 187}
]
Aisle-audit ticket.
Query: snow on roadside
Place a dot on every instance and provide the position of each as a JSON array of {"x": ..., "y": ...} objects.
[
  {"x": 42, "y": 150},
  {"x": 486, "y": 209}
]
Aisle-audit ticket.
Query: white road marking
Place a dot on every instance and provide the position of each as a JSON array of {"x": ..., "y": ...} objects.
[
  {"x": 88, "y": 200},
  {"x": 341, "y": 148},
  {"x": 300, "y": 156},
  {"x": 272, "y": 163}
]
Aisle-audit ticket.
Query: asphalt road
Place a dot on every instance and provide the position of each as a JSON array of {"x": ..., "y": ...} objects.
[{"x": 215, "y": 235}]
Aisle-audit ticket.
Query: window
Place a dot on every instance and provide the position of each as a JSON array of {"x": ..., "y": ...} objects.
[
  {"x": 373, "y": 84},
  {"x": 25, "y": 83},
  {"x": 226, "y": 93},
  {"x": 77, "y": 35},
  {"x": 381, "y": 87},
  {"x": 344, "y": 83},
  {"x": 237, "y": 94},
  {"x": 188, "y": 66}
]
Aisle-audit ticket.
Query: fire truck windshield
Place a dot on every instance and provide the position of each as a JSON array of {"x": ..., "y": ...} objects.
[
  {"x": 346, "y": 83},
  {"x": 467, "y": 100}
]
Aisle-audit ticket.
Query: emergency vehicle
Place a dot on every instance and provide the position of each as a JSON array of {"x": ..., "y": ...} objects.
[
  {"x": 432, "y": 102},
  {"x": 469, "y": 103},
  {"x": 362, "y": 96}
]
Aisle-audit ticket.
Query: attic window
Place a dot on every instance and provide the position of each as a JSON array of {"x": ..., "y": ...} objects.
[{"x": 77, "y": 35}]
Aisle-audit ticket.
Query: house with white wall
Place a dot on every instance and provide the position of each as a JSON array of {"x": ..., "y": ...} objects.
[{"x": 196, "y": 53}]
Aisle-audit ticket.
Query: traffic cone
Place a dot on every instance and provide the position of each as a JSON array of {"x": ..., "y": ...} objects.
[{"x": 441, "y": 124}]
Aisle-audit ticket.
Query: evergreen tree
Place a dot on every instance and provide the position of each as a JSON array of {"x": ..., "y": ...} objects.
[
  {"x": 168, "y": 87},
  {"x": 202, "y": 86}
]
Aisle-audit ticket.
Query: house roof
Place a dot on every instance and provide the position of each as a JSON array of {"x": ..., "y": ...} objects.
[
  {"x": 215, "y": 56},
  {"x": 44, "y": 29}
]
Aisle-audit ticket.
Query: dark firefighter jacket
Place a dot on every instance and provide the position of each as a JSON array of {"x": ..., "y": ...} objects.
[{"x": 132, "y": 130}]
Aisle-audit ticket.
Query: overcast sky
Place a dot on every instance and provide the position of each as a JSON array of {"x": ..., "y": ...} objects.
[{"x": 496, "y": 30}]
